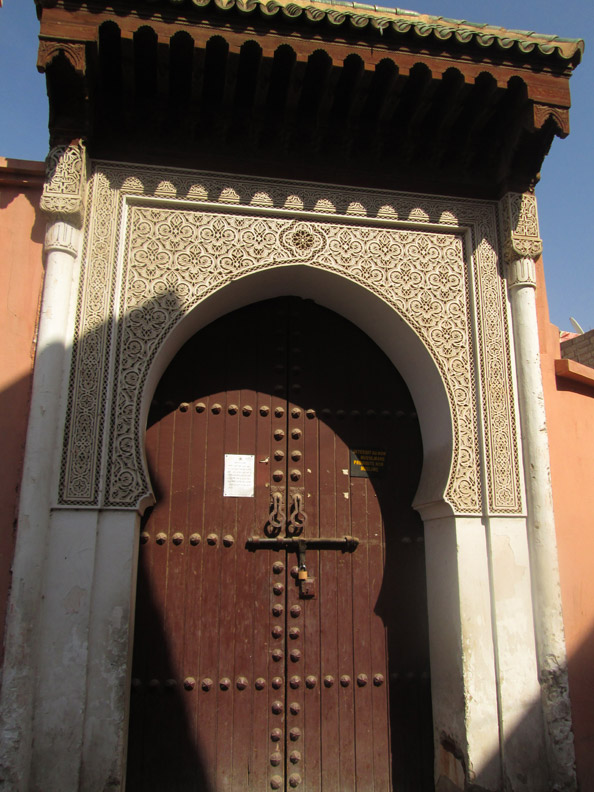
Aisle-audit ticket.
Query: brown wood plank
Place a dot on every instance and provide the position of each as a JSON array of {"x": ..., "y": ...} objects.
[
  {"x": 265, "y": 637},
  {"x": 249, "y": 587},
  {"x": 378, "y": 692},
  {"x": 362, "y": 637},
  {"x": 209, "y": 626},
  {"x": 378, "y": 432},
  {"x": 302, "y": 381},
  {"x": 276, "y": 319},
  {"x": 363, "y": 602},
  {"x": 227, "y": 636},
  {"x": 338, "y": 387},
  {"x": 195, "y": 573},
  {"x": 347, "y": 592},
  {"x": 175, "y": 607},
  {"x": 332, "y": 614}
]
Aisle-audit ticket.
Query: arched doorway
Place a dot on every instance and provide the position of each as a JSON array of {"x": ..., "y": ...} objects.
[{"x": 272, "y": 650}]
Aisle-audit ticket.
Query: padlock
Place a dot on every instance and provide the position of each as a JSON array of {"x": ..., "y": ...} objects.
[{"x": 302, "y": 573}]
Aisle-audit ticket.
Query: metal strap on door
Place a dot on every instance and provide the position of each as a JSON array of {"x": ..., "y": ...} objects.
[{"x": 299, "y": 545}]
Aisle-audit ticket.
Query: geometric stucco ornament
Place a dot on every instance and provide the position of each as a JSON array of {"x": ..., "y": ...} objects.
[
  {"x": 175, "y": 258},
  {"x": 521, "y": 238},
  {"x": 65, "y": 184}
]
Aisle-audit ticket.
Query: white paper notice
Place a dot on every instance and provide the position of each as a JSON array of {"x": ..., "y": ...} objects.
[{"x": 239, "y": 476}]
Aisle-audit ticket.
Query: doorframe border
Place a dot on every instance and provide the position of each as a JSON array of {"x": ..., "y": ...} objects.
[{"x": 465, "y": 328}]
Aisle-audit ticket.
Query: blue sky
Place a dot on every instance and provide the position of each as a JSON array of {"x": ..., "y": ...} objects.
[{"x": 564, "y": 194}]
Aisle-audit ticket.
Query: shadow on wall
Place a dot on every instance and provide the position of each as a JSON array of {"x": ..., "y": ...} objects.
[
  {"x": 159, "y": 705},
  {"x": 580, "y": 667},
  {"x": 451, "y": 770},
  {"x": 14, "y": 410}
]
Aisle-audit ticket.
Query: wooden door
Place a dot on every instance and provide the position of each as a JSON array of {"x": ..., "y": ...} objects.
[{"x": 281, "y": 421}]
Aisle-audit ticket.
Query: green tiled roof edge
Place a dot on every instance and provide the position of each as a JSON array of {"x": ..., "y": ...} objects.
[
  {"x": 400, "y": 21},
  {"x": 360, "y": 15}
]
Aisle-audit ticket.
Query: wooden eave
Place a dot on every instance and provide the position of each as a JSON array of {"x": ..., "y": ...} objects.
[{"x": 223, "y": 85}]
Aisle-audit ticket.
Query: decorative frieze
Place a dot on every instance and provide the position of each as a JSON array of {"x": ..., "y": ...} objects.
[{"x": 495, "y": 372}]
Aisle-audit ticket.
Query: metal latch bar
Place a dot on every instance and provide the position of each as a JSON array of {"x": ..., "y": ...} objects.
[{"x": 298, "y": 544}]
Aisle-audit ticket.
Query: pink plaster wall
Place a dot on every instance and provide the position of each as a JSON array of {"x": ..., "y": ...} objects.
[
  {"x": 570, "y": 419},
  {"x": 21, "y": 276}
]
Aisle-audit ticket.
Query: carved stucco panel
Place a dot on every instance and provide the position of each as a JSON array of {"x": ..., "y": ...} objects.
[
  {"x": 65, "y": 183},
  {"x": 173, "y": 257},
  {"x": 503, "y": 480},
  {"x": 176, "y": 258},
  {"x": 89, "y": 376}
]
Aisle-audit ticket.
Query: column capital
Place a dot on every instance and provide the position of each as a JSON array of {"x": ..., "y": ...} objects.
[
  {"x": 521, "y": 272},
  {"x": 521, "y": 237},
  {"x": 62, "y": 236},
  {"x": 63, "y": 197}
]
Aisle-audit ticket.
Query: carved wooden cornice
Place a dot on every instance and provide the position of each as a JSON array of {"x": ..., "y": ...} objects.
[
  {"x": 74, "y": 53},
  {"x": 334, "y": 92},
  {"x": 558, "y": 115}
]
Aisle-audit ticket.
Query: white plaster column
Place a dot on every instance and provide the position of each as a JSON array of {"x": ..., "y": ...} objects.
[
  {"x": 522, "y": 246},
  {"x": 63, "y": 200},
  {"x": 463, "y": 679},
  {"x": 86, "y": 628},
  {"x": 522, "y": 733},
  {"x": 111, "y": 638}
]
